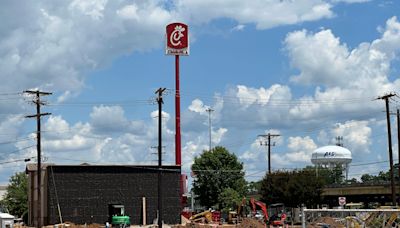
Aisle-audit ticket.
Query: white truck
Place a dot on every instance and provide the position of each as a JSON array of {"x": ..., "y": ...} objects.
[{"x": 6, "y": 220}]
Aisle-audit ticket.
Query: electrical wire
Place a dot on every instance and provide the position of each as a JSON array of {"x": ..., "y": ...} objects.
[
  {"x": 17, "y": 160},
  {"x": 17, "y": 140}
]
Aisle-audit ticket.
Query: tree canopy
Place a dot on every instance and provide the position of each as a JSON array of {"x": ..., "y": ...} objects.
[
  {"x": 16, "y": 198},
  {"x": 293, "y": 188},
  {"x": 216, "y": 171}
]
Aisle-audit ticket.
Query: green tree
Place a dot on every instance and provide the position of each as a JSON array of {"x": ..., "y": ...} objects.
[
  {"x": 215, "y": 171},
  {"x": 381, "y": 177},
  {"x": 330, "y": 175},
  {"x": 229, "y": 199},
  {"x": 293, "y": 188},
  {"x": 16, "y": 198}
]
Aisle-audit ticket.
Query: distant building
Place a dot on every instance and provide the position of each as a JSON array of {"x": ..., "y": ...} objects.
[{"x": 84, "y": 193}]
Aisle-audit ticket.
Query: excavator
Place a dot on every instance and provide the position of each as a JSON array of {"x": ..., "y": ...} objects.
[
  {"x": 204, "y": 217},
  {"x": 275, "y": 219},
  {"x": 254, "y": 203}
]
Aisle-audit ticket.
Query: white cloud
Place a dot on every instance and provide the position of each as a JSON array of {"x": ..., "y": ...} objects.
[
  {"x": 265, "y": 14},
  {"x": 367, "y": 65},
  {"x": 237, "y": 28},
  {"x": 198, "y": 106},
  {"x": 129, "y": 12},
  {"x": 108, "y": 118},
  {"x": 357, "y": 135},
  {"x": 56, "y": 43},
  {"x": 216, "y": 136},
  {"x": 92, "y": 8},
  {"x": 351, "y": 1},
  {"x": 300, "y": 149}
]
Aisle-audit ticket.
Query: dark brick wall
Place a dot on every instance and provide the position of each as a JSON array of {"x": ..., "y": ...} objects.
[{"x": 84, "y": 192}]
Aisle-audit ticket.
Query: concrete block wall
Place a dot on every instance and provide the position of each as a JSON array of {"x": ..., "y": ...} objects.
[{"x": 84, "y": 193}]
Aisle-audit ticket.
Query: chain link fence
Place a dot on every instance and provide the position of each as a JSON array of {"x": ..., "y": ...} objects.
[{"x": 354, "y": 218}]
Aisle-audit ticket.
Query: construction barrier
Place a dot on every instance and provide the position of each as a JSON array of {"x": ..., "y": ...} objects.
[{"x": 355, "y": 218}]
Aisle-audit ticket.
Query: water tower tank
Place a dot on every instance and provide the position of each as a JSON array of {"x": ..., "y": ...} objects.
[{"x": 330, "y": 156}]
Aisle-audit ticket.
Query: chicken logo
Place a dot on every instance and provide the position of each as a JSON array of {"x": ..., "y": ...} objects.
[{"x": 177, "y": 39}]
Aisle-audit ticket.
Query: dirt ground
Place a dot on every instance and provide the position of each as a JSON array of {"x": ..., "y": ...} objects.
[
  {"x": 326, "y": 222},
  {"x": 246, "y": 223}
]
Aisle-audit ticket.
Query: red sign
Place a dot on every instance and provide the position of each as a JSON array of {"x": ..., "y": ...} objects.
[{"x": 177, "y": 39}]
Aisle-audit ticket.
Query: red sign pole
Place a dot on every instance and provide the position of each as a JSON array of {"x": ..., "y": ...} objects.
[
  {"x": 177, "y": 114},
  {"x": 177, "y": 43}
]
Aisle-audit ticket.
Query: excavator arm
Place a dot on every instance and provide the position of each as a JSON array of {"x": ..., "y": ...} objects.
[{"x": 263, "y": 206}]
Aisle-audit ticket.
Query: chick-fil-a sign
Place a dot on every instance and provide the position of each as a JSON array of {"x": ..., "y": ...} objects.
[{"x": 177, "y": 39}]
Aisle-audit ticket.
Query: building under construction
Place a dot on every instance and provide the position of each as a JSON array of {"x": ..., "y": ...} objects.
[{"x": 83, "y": 193}]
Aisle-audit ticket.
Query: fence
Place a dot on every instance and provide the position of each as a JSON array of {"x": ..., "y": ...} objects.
[{"x": 357, "y": 218}]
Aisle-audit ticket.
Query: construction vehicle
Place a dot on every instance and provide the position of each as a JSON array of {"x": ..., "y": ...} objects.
[
  {"x": 233, "y": 217},
  {"x": 254, "y": 204},
  {"x": 117, "y": 217},
  {"x": 277, "y": 214},
  {"x": 276, "y": 210},
  {"x": 203, "y": 217}
]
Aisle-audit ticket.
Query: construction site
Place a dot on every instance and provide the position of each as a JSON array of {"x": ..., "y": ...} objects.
[
  {"x": 297, "y": 75},
  {"x": 127, "y": 195},
  {"x": 131, "y": 195}
]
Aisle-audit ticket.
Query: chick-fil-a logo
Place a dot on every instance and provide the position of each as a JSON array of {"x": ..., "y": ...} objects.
[{"x": 177, "y": 39}]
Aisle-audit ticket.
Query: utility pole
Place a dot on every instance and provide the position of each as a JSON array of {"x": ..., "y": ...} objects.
[
  {"x": 209, "y": 110},
  {"x": 160, "y": 102},
  {"x": 398, "y": 141},
  {"x": 38, "y": 103},
  {"x": 386, "y": 98},
  {"x": 268, "y": 143}
]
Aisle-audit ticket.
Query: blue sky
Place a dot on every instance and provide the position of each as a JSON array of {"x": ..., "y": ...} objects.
[{"x": 308, "y": 70}]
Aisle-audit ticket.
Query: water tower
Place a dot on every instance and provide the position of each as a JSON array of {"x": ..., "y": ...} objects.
[{"x": 331, "y": 156}]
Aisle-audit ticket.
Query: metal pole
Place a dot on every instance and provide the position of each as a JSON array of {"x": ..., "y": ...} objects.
[
  {"x": 177, "y": 114},
  {"x": 192, "y": 200},
  {"x": 303, "y": 217},
  {"x": 209, "y": 110},
  {"x": 390, "y": 151},
  {"x": 269, "y": 153},
  {"x": 209, "y": 130}
]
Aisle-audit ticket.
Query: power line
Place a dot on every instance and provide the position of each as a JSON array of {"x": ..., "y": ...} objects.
[
  {"x": 10, "y": 93},
  {"x": 17, "y": 160},
  {"x": 106, "y": 103},
  {"x": 17, "y": 140}
]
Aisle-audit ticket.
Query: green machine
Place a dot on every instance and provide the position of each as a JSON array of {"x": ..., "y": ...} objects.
[{"x": 117, "y": 216}]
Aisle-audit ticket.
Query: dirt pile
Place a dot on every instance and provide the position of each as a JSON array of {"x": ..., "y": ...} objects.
[
  {"x": 246, "y": 223},
  {"x": 251, "y": 223}
]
